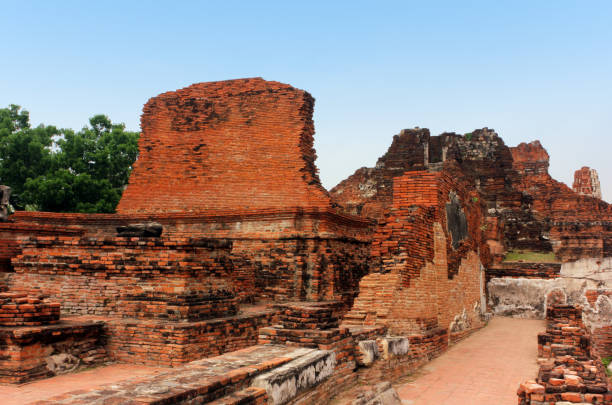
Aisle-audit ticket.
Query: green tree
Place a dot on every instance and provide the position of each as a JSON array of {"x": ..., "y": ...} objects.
[
  {"x": 13, "y": 119},
  {"x": 64, "y": 170},
  {"x": 25, "y": 152},
  {"x": 104, "y": 151}
]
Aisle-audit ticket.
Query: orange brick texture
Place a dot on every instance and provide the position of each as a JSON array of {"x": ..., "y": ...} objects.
[
  {"x": 24, "y": 350},
  {"x": 420, "y": 283},
  {"x": 232, "y": 145},
  {"x": 12, "y": 232},
  {"x": 580, "y": 223},
  {"x": 169, "y": 344},
  {"x": 20, "y": 310},
  {"x": 178, "y": 279},
  {"x": 573, "y": 372}
]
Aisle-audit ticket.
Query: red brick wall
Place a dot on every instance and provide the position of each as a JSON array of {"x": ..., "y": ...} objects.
[
  {"x": 11, "y": 233},
  {"x": 231, "y": 145},
  {"x": 170, "y": 278},
  {"x": 419, "y": 281},
  {"x": 20, "y": 310},
  {"x": 278, "y": 254},
  {"x": 170, "y": 344}
]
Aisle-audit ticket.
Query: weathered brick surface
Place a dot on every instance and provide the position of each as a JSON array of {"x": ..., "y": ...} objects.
[
  {"x": 570, "y": 370},
  {"x": 11, "y": 233},
  {"x": 170, "y": 344},
  {"x": 526, "y": 208},
  {"x": 524, "y": 270},
  {"x": 24, "y": 351},
  {"x": 420, "y": 282},
  {"x": 580, "y": 225},
  {"x": 484, "y": 158},
  {"x": 237, "y": 144},
  {"x": 601, "y": 332},
  {"x": 169, "y": 278},
  {"x": 17, "y": 309}
]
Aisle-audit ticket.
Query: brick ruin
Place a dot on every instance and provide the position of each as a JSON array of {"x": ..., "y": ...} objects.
[
  {"x": 571, "y": 370},
  {"x": 586, "y": 182},
  {"x": 260, "y": 275}
]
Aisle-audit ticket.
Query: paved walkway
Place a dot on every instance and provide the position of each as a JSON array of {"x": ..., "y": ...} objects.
[
  {"x": 50, "y": 387},
  {"x": 485, "y": 368}
]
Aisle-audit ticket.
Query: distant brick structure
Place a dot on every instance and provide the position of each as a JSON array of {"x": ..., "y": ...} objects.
[
  {"x": 580, "y": 225},
  {"x": 226, "y": 146},
  {"x": 586, "y": 182},
  {"x": 525, "y": 207}
]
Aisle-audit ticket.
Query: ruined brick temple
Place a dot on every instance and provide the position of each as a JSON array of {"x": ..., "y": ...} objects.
[{"x": 228, "y": 263}]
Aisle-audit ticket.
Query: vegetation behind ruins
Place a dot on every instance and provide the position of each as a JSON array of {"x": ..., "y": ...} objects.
[{"x": 63, "y": 170}]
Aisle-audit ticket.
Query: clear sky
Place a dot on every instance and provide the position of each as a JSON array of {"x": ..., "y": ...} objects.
[{"x": 529, "y": 69}]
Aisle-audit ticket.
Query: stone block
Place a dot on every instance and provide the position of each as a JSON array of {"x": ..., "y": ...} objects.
[{"x": 286, "y": 382}]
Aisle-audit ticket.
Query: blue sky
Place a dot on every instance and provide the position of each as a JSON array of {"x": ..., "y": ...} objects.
[{"x": 529, "y": 69}]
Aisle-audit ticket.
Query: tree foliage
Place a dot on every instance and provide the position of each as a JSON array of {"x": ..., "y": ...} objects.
[{"x": 62, "y": 170}]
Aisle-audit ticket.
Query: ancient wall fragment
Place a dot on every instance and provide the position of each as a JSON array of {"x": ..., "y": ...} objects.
[
  {"x": 579, "y": 226},
  {"x": 424, "y": 276},
  {"x": 234, "y": 145}
]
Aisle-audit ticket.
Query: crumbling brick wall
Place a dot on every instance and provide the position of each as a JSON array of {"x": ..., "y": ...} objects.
[
  {"x": 424, "y": 278},
  {"x": 12, "y": 233},
  {"x": 570, "y": 371},
  {"x": 168, "y": 278},
  {"x": 526, "y": 208},
  {"x": 231, "y": 145},
  {"x": 580, "y": 225}
]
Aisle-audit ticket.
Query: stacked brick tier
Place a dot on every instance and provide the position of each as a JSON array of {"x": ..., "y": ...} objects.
[
  {"x": 238, "y": 144},
  {"x": 278, "y": 254},
  {"x": 25, "y": 352},
  {"x": 524, "y": 270},
  {"x": 307, "y": 324},
  {"x": 314, "y": 315},
  {"x": 426, "y": 272},
  {"x": 569, "y": 370},
  {"x": 169, "y": 344},
  {"x": 11, "y": 233},
  {"x": 167, "y": 278},
  {"x": 20, "y": 310}
]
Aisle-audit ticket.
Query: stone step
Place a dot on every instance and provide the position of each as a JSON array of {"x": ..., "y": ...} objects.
[
  {"x": 247, "y": 396},
  {"x": 220, "y": 378},
  {"x": 289, "y": 380}
]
